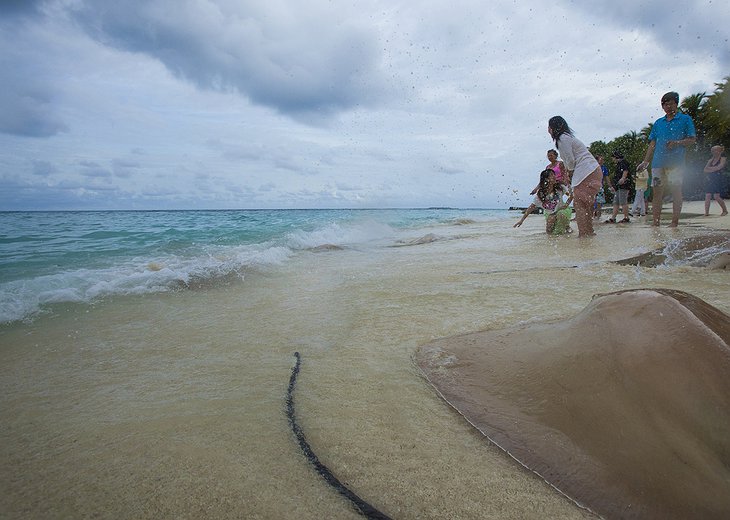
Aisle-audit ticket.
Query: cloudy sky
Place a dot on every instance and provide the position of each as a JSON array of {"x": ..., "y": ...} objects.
[{"x": 157, "y": 104}]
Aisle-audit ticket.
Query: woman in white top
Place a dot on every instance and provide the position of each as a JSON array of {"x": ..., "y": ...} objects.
[{"x": 583, "y": 170}]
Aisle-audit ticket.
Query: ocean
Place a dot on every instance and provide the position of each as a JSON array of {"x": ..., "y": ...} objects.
[
  {"x": 50, "y": 258},
  {"x": 146, "y": 356}
]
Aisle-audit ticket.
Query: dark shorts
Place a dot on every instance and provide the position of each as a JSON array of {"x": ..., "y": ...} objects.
[
  {"x": 713, "y": 182},
  {"x": 621, "y": 197}
]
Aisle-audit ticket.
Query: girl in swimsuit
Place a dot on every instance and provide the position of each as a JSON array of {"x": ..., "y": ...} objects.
[
  {"x": 561, "y": 174},
  {"x": 549, "y": 197}
]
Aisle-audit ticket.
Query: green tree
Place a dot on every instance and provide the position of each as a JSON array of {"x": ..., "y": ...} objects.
[
  {"x": 631, "y": 145},
  {"x": 646, "y": 131},
  {"x": 715, "y": 115},
  {"x": 692, "y": 105},
  {"x": 601, "y": 149},
  {"x": 711, "y": 115}
]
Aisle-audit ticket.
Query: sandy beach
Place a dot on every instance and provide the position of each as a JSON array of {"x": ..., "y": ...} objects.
[
  {"x": 172, "y": 405},
  {"x": 693, "y": 214}
]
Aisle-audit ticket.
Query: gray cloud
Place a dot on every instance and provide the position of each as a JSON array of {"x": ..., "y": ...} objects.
[
  {"x": 27, "y": 96},
  {"x": 43, "y": 168},
  {"x": 124, "y": 168},
  {"x": 26, "y": 99},
  {"x": 28, "y": 112},
  {"x": 13, "y": 8},
  {"x": 94, "y": 170},
  {"x": 697, "y": 25},
  {"x": 290, "y": 58}
]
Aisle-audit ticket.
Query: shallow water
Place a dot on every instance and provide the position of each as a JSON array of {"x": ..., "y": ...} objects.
[{"x": 172, "y": 404}]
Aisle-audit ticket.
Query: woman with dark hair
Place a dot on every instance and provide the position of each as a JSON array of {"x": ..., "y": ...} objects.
[
  {"x": 583, "y": 170},
  {"x": 549, "y": 197},
  {"x": 558, "y": 167}
]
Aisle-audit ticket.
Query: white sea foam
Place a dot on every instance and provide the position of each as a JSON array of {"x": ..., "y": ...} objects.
[
  {"x": 57, "y": 258},
  {"x": 340, "y": 234},
  {"x": 25, "y": 299},
  {"x": 678, "y": 255}
]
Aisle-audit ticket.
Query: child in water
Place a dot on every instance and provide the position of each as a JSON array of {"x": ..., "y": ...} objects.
[{"x": 549, "y": 197}]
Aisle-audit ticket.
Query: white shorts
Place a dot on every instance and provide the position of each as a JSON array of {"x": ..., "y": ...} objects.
[{"x": 672, "y": 175}]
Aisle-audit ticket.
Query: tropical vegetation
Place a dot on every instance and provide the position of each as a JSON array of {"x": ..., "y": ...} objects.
[{"x": 711, "y": 115}]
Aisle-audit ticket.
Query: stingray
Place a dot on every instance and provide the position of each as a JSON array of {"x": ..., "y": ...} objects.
[{"x": 624, "y": 408}]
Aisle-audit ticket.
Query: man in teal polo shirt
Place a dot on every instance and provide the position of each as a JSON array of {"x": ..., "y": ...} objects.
[{"x": 668, "y": 140}]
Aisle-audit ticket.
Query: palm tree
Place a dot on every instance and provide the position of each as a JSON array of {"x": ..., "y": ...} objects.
[
  {"x": 646, "y": 131},
  {"x": 711, "y": 115},
  {"x": 715, "y": 115},
  {"x": 692, "y": 106},
  {"x": 631, "y": 145}
]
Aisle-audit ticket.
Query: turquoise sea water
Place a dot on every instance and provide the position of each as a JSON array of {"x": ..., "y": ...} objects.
[{"x": 60, "y": 257}]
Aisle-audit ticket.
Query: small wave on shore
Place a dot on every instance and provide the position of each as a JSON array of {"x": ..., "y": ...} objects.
[
  {"x": 169, "y": 252},
  {"x": 428, "y": 239},
  {"x": 711, "y": 251},
  {"x": 27, "y": 298},
  {"x": 425, "y": 239}
]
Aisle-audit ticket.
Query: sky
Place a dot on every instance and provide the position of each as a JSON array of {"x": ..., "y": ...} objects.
[{"x": 228, "y": 104}]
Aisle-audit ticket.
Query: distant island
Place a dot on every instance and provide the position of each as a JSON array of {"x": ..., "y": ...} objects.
[{"x": 534, "y": 211}]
